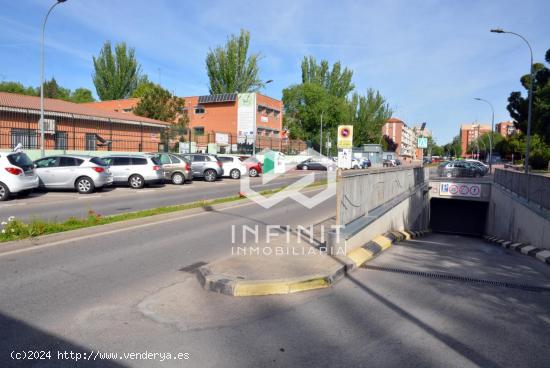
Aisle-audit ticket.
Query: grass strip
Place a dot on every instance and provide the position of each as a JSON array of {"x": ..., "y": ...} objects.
[{"x": 14, "y": 229}]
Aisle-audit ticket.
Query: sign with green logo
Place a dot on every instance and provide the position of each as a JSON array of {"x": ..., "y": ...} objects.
[{"x": 422, "y": 142}]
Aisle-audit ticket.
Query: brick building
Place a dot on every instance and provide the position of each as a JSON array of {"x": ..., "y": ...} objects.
[
  {"x": 469, "y": 133},
  {"x": 505, "y": 128},
  {"x": 403, "y": 136},
  {"x": 229, "y": 120},
  {"x": 71, "y": 126}
]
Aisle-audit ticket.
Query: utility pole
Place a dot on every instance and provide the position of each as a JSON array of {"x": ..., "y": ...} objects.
[{"x": 321, "y": 138}]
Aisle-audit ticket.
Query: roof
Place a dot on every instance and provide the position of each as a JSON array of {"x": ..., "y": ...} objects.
[
  {"x": 10, "y": 101},
  {"x": 114, "y": 105},
  {"x": 471, "y": 127},
  {"x": 395, "y": 120}
]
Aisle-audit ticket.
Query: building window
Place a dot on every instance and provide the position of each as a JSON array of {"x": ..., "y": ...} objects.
[
  {"x": 198, "y": 130},
  {"x": 61, "y": 140},
  {"x": 27, "y": 137},
  {"x": 90, "y": 142},
  {"x": 199, "y": 110}
]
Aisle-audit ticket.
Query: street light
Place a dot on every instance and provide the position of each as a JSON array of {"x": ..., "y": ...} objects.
[
  {"x": 42, "y": 153},
  {"x": 528, "y": 143},
  {"x": 492, "y": 132},
  {"x": 255, "y": 130}
]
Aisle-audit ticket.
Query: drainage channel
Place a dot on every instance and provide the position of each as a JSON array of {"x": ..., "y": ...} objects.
[{"x": 459, "y": 278}]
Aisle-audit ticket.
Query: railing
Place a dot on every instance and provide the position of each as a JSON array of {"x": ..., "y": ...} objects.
[
  {"x": 360, "y": 191},
  {"x": 533, "y": 188}
]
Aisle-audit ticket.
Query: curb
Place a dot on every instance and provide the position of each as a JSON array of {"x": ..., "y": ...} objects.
[
  {"x": 354, "y": 259},
  {"x": 542, "y": 255}
]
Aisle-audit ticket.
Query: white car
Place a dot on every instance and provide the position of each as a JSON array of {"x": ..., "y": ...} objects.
[
  {"x": 233, "y": 166},
  {"x": 355, "y": 164},
  {"x": 135, "y": 170},
  {"x": 16, "y": 174}
]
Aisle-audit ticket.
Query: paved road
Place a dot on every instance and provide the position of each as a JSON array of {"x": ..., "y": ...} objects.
[
  {"x": 125, "y": 293},
  {"x": 61, "y": 205}
]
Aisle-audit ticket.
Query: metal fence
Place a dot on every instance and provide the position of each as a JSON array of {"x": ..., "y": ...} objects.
[
  {"x": 80, "y": 133},
  {"x": 359, "y": 191},
  {"x": 532, "y": 188}
]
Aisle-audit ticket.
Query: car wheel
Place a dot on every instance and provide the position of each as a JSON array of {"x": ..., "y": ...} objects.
[
  {"x": 449, "y": 175},
  {"x": 85, "y": 185},
  {"x": 4, "y": 192},
  {"x": 305, "y": 167},
  {"x": 235, "y": 174},
  {"x": 136, "y": 181},
  {"x": 253, "y": 172},
  {"x": 477, "y": 175},
  {"x": 178, "y": 179},
  {"x": 210, "y": 175}
]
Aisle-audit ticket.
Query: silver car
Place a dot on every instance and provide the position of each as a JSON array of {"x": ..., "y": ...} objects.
[
  {"x": 204, "y": 165},
  {"x": 83, "y": 173},
  {"x": 135, "y": 170}
]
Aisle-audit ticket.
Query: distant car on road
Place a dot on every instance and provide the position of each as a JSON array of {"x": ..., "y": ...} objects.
[
  {"x": 233, "y": 166},
  {"x": 453, "y": 169},
  {"x": 366, "y": 163},
  {"x": 253, "y": 166},
  {"x": 204, "y": 165},
  {"x": 355, "y": 164},
  {"x": 17, "y": 175},
  {"x": 86, "y": 174},
  {"x": 135, "y": 170},
  {"x": 176, "y": 169},
  {"x": 314, "y": 164}
]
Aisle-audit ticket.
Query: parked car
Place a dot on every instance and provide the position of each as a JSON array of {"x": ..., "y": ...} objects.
[
  {"x": 366, "y": 163},
  {"x": 458, "y": 169},
  {"x": 397, "y": 162},
  {"x": 233, "y": 166},
  {"x": 176, "y": 168},
  {"x": 17, "y": 175},
  {"x": 314, "y": 164},
  {"x": 86, "y": 174},
  {"x": 388, "y": 163},
  {"x": 135, "y": 170},
  {"x": 355, "y": 164},
  {"x": 204, "y": 165},
  {"x": 253, "y": 166}
]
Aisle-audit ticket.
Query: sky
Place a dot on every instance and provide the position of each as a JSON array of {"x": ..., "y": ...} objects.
[{"x": 428, "y": 58}]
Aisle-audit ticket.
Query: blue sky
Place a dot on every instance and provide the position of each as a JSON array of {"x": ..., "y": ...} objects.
[{"x": 428, "y": 58}]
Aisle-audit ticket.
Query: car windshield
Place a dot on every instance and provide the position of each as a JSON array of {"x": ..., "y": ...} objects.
[
  {"x": 98, "y": 161},
  {"x": 20, "y": 159}
]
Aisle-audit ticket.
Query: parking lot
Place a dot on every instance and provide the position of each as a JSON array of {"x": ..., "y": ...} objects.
[{"x": 62, "y": 204}]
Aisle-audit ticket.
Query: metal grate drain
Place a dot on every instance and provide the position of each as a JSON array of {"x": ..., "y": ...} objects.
[{"x": 459, "y": 278}]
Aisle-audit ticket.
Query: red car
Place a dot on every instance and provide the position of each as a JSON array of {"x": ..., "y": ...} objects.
[{"x": 253, "y": 165}]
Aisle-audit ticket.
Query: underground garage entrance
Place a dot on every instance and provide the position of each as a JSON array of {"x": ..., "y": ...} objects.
[{"x": 457, "y": 216}]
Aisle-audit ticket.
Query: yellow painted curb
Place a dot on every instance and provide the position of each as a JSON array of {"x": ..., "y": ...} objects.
[
  {"x": 244, "y": 288},
  {"x": 397, "y": 235},
  {"x": 382, "y": 241},
  {"x": 406, "y": 235},
  {"x": 360, "y": 255}
]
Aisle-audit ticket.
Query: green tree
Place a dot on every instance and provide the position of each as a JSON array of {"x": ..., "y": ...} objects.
[
  {"x": 144, "y": 84},
  {"x": 336, "y": 81},
  {"x": 367, "y": 114},
  {"x": 518, "y": 105},
  {"x": 81, "y": 95},
  {"x": 116, "y": 75},
  {"x": 16, "y": 87},
  {"x": 230, "y": 69}
]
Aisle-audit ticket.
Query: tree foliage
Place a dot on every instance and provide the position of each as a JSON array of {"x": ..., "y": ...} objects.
[
  {"x": 336, "y": 81},
  {"x": 51, "y": 90},
  {"x": 518, "y": 105},
  {"x": 367, "y": 114},
  {"x": 324, "y": 96},
  {"x": 116, "y": 74},
  {"x": 230, "y": 69}
]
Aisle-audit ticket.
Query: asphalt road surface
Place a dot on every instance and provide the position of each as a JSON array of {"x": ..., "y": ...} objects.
[
  {"x": 60, "y": 205},
  {"x": 124, "y": 293}
]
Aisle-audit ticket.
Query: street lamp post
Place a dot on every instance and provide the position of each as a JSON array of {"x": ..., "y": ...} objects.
[
  {"x": 492, "y": 132},
  {"x": 255, "y": 129},
  {"x": 321, "y": 137},
  {"x": 528, "y": 143},
  {"x": 42, "y": 149}
]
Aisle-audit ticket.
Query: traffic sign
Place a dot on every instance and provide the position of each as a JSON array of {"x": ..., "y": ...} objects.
[
  {"x": 345, "y": 136},
  {"x": 422, "y": 142}
]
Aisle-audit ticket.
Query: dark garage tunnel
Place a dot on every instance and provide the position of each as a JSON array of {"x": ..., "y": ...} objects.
[{"x": 458, "y": 216}]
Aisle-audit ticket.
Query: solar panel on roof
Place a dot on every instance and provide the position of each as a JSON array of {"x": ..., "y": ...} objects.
[{"x": 219, "y": 98}]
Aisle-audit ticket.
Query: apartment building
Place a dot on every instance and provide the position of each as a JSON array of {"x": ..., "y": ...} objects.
[{"x": 403, "y": 135}]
